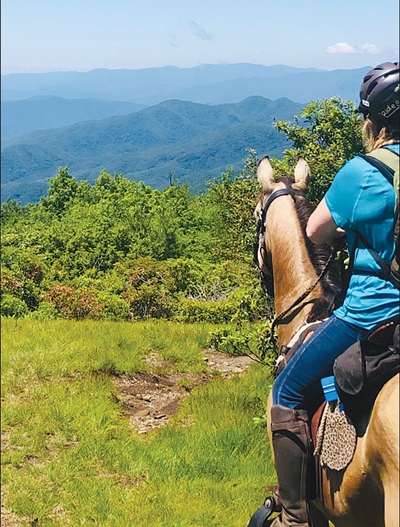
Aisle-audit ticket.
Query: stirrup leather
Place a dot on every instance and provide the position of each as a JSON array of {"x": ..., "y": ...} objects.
[{"x": 261, "y": 516}]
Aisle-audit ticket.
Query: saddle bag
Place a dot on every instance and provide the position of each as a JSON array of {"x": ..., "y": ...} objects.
[{"x": 362, "y": 370}]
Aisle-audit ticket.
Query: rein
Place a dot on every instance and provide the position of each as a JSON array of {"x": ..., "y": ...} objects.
[
  {"x": 278, "y": 319},
  {"x": 260, "y": 245}
]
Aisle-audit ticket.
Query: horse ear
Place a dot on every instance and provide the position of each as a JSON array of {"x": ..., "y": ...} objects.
[
  {"x": 301, "y": 174},
  {"x": 265, "y": 175}
]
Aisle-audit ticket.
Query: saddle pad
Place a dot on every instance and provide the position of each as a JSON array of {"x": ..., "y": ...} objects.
[{"x": 336, "y": 439}]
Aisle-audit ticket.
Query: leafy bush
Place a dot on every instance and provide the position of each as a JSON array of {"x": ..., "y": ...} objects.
[
  {"x": 149, "y": 289},
  {"x": 46, "y": 311},
  {"x": 60, "y": 297},
  {"x": 75, "y": 304},
  {"x": 246, "y": 340},
  {"x": 225, "y": 341},
  {"x": 115, "y": 308},
  {"x": 13, "y": 307},
  {"x": 11, "y": 284},
  {"x": 190, "y": 310}
]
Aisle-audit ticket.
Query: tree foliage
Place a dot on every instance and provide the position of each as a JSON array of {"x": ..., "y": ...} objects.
[
  {"x": 119, "y": 249},
  {"x": 328, "y": 135}
]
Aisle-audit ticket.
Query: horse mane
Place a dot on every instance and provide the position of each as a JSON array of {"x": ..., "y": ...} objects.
[{"x": 319, "y": 255}]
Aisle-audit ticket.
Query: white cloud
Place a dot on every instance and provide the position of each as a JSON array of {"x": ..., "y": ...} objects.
[
  {"x": 371, "y": 49},
  {"x": 343, "y": 47}
]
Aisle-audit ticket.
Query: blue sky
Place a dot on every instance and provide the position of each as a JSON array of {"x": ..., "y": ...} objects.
[{"x": 80, "y": 35}]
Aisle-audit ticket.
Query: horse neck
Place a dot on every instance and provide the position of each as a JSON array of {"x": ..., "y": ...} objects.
[{"x": 294, "y": 272}]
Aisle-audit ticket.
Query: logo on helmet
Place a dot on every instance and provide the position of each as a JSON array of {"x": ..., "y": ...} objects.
[{"x": 390, "y": 109}]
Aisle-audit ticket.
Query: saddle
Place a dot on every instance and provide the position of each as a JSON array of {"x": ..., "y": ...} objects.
[{"x": 362, "y": 370}]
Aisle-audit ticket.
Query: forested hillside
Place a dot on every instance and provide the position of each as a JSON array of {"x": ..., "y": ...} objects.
[
  {"x": 195, "y": 141},
  {"x": 117, "y": 249}
]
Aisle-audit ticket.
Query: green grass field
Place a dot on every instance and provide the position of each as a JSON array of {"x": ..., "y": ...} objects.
[{"x": 71, "y": 457}]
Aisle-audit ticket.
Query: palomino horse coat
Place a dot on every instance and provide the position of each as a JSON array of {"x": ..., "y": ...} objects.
[{"x": 366, "y": 493}]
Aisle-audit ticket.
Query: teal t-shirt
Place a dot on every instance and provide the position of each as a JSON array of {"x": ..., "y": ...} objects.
[{"x": 360, "y": 198}]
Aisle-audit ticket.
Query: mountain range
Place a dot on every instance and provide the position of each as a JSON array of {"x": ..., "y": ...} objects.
[
  {"x": 197, "y": 142},
  {"x": 145, "y": 123},
  {"x": 206, "y": 84}
]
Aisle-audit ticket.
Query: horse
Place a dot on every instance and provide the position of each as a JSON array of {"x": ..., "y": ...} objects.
[{"x": 366, "y": 493}]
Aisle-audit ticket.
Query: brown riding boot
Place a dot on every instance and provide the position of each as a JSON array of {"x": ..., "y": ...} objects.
[{"x": 291, "y": 443}]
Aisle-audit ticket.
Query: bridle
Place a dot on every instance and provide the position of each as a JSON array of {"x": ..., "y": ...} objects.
[{"x": 259, "y": 243}]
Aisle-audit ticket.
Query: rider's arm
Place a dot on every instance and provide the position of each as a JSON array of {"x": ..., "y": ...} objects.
[{"x": 320, "y": 227}]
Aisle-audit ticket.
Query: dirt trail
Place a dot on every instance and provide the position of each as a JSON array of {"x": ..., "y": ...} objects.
[{"x": 151, "y": 399}]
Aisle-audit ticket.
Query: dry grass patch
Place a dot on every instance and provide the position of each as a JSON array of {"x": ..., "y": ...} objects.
[
  {"x": 123, "y": 480},
  {"x": 9, "y": 519}
]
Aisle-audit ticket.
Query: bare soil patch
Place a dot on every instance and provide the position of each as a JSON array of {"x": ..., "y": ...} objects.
[
  {"x": 9, "y": 519},
  {"x": 151, "y": 399}
]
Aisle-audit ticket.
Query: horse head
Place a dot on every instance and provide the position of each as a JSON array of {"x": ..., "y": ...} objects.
[
  {"x": 271, "y": 187},
  {"x": 289, "y": 263}
]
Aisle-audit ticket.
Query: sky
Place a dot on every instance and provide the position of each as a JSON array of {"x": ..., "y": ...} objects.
[{"x": 81, "y": 35}]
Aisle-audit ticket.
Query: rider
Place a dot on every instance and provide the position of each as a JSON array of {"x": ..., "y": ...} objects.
[{"x": 359, "y": 199}]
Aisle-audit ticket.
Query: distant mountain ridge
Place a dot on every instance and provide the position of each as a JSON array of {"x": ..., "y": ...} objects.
[
  {"x": 42, "y": 112},
  {"x": 206, "y": 84},
  {"x": 196, "y": 141}
]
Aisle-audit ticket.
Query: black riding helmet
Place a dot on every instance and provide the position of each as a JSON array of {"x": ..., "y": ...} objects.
[{"x": 379, "y": 93}]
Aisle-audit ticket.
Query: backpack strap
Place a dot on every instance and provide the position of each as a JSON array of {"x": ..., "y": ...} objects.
[
  {"x": 375, "y": 159},
  {"x": 383, "y": 168},
  {"x": 392, "y": 160}
]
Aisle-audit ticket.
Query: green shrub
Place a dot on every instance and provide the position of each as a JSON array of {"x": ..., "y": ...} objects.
[
  {"x": 245, "y": 339},
  {"x": 251, "y": 304},
  {"x": 190, "y": 310},
  {"x": 13, "y": 307},
  {"x": 11, "y": 284},
  {"x": 225, "y": 341},
  {"x": 46, "y": 311},
  {"x": 148, "y": 301},
  {"x": 60, "y": 297},
  {"x": 75, "y": 304},
  {"x": 115, "y": 308}
]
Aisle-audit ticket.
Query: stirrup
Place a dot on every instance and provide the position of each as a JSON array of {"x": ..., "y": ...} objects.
[{"x": 260, "y": 517}]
